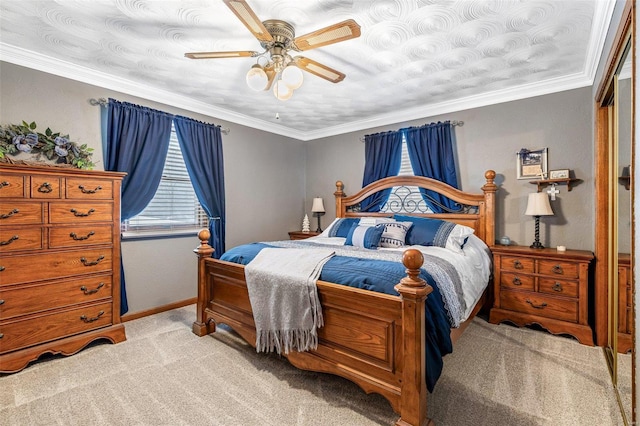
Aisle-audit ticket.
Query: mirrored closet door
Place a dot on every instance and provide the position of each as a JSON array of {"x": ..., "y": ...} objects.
[{"x": 614, "y": 279}]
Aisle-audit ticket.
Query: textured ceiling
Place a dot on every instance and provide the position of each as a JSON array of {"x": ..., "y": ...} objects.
[{"x": 415, "y": 58}]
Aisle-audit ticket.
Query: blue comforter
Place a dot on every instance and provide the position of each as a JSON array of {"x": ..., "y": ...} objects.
[{"x": 380, "y": 276}]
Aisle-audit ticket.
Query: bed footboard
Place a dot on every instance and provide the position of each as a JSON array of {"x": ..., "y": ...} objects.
[{"x": 375, "y": 340}]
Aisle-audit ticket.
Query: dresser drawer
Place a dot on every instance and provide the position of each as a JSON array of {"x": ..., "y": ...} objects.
[
  {"x": 12, "y": 186},
  {"x": 558, "y": 287},
  {"x": 46, "y": 187},
  {"x": 80, "y": 235},
  {"x": 19, "y": 334},
  {"x": 19, "y": 213},
  {"x": 89, "y": 189},
  {"x": 511, "y": 280},
  {"x": 539, "y": 304},
  {"x": 80, "y": 212},
  {"x": 518, "y": 264},
  {"x": 27, "y": 299},
  {"x": 561, "y": 269},
  {"x": 14, "y": 239},
  {"x": 37, "y": 267}
]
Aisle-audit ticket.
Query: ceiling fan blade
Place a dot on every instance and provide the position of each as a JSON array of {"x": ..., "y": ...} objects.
[
  {"x": 248, "y": 17},
  {"x": 332, "y": 34},
  {"x": 318, "y": 69},
  {"x": 216, "y": 55}
]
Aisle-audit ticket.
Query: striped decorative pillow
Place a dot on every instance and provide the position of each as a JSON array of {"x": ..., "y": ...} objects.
[{"x": 364, "y": 236}]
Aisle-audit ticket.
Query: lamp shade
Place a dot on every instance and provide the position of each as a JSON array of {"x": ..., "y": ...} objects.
[
  {"x": 318, "y": 206},
  {"x": 282, "y": 91},
  {"x": 538, "y": 205},
  {"x": 292, "y": 76}
]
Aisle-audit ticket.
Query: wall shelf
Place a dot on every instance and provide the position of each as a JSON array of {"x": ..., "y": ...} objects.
[{"x": 544, "y": 182}]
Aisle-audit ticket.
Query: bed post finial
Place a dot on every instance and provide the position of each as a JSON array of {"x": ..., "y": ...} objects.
[
  {"x": 413, "y": 293},
  {"x": 339, "y": 194},
  {"x": 489, "y": 190},
  {"x": 204, "y": 251}
]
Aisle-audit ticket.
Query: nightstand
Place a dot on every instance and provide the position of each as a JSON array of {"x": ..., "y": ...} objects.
[
  {"x": 299, "y": 235},
  {"x": 543, "y": 286}
]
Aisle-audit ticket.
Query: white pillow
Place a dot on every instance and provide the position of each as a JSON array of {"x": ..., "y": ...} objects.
[
  {"x": 394, "y": 234},
  {"x": 374, "y": 220}
]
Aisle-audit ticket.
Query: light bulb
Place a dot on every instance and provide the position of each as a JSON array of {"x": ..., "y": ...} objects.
[
  {"x": 257, "y": 78},
  {"x": 282, "y": 91},
  {"x": 292, "y": 76}
]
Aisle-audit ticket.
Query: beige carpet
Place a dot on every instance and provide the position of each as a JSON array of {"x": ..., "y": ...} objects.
[{"x": 165, "y": 375}]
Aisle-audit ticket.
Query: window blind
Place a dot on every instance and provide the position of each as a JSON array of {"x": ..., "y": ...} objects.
[{"x": 175, "y": 205}]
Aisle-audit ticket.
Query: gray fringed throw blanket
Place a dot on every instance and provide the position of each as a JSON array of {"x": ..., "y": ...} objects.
[{"x": 284, "y": 298}]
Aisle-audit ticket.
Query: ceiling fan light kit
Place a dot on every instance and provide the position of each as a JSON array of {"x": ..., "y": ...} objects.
[{"x": 278, "y": 39}]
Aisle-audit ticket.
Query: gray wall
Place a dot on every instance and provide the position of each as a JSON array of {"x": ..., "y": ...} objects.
[
  {"x": 489, "y": 139},
  {"x": 264, "y": 178}
]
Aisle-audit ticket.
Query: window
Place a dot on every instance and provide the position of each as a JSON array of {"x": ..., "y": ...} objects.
[
  {"x": 175, "y": 207},
  {"x": 405, "y": 199}
]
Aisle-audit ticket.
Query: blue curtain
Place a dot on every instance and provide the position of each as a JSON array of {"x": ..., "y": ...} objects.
[
  {"x": 431, "y": 153},
  {"x": 383, "y": 157},
  {"x": 201, "y": 146},
  {"x": 137, "y": 143}
]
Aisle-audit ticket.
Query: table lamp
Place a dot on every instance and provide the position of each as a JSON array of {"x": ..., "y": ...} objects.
[
  {"x": 318, "y": 210},
  {"x": 538, "y": 205}
]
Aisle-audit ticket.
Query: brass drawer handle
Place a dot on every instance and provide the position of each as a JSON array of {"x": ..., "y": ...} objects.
[
  {"x": 8, "y": 215},
  {"x": 95, "y": 262},
  {"x": 45, "y": 188},
  {"x": 541, "y": 306},
  {"x": 9, "y": 241},
  {"x": 89, "y": 191},
  {"x": 1, "y": 335},
  {"x": 1, "y": 301},
  {"x": 76, "y": 213},
  {"x": 516, "y": 281},
  {"x": 557, "y": 287},
  {"x": 557, "y": 269},
  {"x": 2, "y": 268},
  {"x": 87, "y": 320},
  {"x": 517, "y": 264},
  {"x": 93, "y": 291},
  {"x": 75, "y": 236},
  {"x": 3, "y": 184}
]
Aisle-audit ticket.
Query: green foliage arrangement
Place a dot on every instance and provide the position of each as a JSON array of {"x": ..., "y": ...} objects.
[{"x": 56, "y": 148}]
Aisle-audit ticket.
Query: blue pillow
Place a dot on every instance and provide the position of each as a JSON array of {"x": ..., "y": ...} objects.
[
  {"x": 436, "y": 232},
  {"x": 342, "y": 227},
  {"x": 364, "y": 236}
]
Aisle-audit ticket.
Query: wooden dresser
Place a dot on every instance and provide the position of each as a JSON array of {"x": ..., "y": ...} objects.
[
  {"x": 625, "y": 304},
  {"x": 545, "y": 287},
  {"x": 59, "y": 261}
]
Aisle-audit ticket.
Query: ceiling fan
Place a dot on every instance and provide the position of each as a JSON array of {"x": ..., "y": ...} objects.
[{"x": 278, "y": 39}]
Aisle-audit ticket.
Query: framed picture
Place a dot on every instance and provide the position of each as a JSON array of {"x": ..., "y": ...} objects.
[
  {"x": 559, "y": 174},
  {"x": 532, "y": 164}
]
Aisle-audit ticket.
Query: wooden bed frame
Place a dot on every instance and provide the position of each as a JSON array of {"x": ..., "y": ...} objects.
[{"x": 375, "y": 340}]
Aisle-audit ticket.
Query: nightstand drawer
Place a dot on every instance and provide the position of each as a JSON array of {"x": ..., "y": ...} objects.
[
  {"x": 563, "y": 269},
  {"x": 522, "y": 282},
  {"x": 537, "y": 304},
  {"x": 518, "y": 264},
  {"x": 557, "y": 287}
]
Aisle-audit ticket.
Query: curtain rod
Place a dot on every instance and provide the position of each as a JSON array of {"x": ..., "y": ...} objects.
[
  {"x": 454, "y": 123},
  {"x": 104, "y": 102}
]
